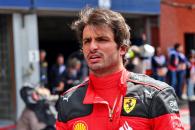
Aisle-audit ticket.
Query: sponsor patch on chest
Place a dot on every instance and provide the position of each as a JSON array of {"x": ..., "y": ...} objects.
[
  {"x": 129, "y": 104},
  {"x": 80, "y": 125}
]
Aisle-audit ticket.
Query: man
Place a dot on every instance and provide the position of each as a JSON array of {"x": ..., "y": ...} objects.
[
  {"x": 181, "y": 72},
  {"x": 113, "y": 98},
  {"x": 159, "y": 65},
  {"x": 172, "y": 66},
  {"x": 72, "y": 73},
  {"x": 177, "y": 69},
  {"x": 43, "y": 68},
  {"x": 57, "y": 75}
]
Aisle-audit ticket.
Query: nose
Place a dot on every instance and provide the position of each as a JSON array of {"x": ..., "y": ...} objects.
[{"x": 93, "y": 46}]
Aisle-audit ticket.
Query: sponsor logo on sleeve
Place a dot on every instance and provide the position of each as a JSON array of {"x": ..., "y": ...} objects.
[
  {"x": 148, "y": 93},
  {"x": 173, "y": 105},
  {"x": 66, "y": 98},
  {"x": 176, "y": 122}
]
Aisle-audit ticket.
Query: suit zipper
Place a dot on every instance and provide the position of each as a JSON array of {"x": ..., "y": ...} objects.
[
  {"x": 110, "y": 114},
  {"x": 111, "y": 111}
]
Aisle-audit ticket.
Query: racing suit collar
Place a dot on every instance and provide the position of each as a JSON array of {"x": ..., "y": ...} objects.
[{"x": 91, "y": 96}]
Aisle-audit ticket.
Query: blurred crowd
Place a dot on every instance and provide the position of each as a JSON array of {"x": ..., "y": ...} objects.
[
  {"x": 174, "y": 68},
  {"x": 61, "y": 75},
  {"x": 40, "y": 111}
]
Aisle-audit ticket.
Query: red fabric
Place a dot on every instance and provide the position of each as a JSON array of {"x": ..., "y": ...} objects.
[
  {"x": 118, "y": 79},
  {"x": 172, "y": 68},
  {"x": 167, "y": 122},
  {"x": 106, "y": 91},
  {"x": 98, "y": 119},
  {"x": 107, "y": 87},
  {"x": 164, "y": 122},
  {"x": 11, "y": 127},
  {"x": 192, "y": 65},
  {"x": 61, "y": 126}
]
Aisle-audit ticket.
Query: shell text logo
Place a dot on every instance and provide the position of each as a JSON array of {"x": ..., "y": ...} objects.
[{"x": 80, "y": 125}]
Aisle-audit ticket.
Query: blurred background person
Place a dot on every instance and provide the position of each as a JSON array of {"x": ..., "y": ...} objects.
[
  {"x": 191, "y": 76},
  {"x": 173, "y": 62},
  {"x": 57, "y": 75},
  {"x": 43, "y": 68},
  {"x": 73, "y": 73},
  {"x": 134, "y": 61},
  {"x": 38, "y": 113},
  {"x": 146, "y": 53},
  {"x": 177, "y": 70},
  {"x": 181, "y": 72},
  {"x": 159, "y": 69},
  {"x": 84, "y": 71}
]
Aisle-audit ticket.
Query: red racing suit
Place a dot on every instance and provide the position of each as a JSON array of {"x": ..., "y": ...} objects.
[{"x": 144, "y": 104}]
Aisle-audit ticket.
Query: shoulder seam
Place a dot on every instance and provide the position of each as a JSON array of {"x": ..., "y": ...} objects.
[
  {"x": 135, "y": 77},
  {"x": 154, "y": 86},
  {"x": 76, "y": 87}
]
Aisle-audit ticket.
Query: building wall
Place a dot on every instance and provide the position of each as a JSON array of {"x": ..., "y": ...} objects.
[
  {"x": 25, "y": 38},
  {"x": 6, "y": 71},
  {"x": 175, "y": 21},
  {"x": 19, "y": 60}
]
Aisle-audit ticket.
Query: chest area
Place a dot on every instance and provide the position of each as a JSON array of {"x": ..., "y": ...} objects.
[
  {"x": 130, "y": 113},
  {"x": 99, "y": 120}
]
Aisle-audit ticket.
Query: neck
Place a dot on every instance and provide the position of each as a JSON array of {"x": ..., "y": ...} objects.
[
  {"x": 107, "y": 71},
  {"x": 107, "y": 87},
  {"x": 106, "y": 82}
]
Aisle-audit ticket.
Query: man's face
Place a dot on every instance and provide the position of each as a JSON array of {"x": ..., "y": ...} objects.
[
  {"x": 100, "y": 50},
  {"x": 180, "y": 49},
  {"x": 158, "y": 51},
  {"x": 42, "y": 56},
  {"x": 60, "y": 60}
]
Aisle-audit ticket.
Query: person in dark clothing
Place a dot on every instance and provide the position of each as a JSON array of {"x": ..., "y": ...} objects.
[
  {"x": 84, "y": 71},
  {"x": 173, "y": 62},
  {"x": 43, "y": 68},
  {"x": 177, "y": 69},
  {"x": 57, "y": 75},
  {"x": 73, "y": 73},
  {"x": 190, "y": 75},
  {"x": 159, "y": 69},
  {"x": 181, "y": 72}
]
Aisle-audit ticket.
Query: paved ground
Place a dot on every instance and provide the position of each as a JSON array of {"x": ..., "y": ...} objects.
[{"x": 185, "y": 115}]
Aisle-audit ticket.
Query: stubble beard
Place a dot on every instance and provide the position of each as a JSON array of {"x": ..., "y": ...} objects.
[
  {"x": 104, "y": 66},
  {"x": 96, "y": 67}
]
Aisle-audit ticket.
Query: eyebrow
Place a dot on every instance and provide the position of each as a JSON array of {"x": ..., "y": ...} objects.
[
  {"x": 97, "y": 37},
  {"x": 102, "y": 37},
  {"x": 86, "y": 38}
]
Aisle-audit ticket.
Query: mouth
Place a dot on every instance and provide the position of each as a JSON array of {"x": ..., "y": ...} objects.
[{"x": 94, "y": 58}]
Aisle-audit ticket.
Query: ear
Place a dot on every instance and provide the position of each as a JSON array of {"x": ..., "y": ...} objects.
[{"x": 123, "y": 49}]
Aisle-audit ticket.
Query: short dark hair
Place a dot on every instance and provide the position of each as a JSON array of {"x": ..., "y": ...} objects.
[
  {"x": 42, "y": 51},
  {"x": 176, "y": 46},
  {"x": 99, "y": 17}
]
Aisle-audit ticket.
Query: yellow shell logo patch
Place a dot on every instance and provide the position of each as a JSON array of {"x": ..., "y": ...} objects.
[
  {"x": 80, "y": 125},
  {"x": 129, "y": 104}
]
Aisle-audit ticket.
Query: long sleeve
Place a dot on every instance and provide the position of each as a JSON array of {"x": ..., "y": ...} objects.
[{"x": 165, "y": 111}]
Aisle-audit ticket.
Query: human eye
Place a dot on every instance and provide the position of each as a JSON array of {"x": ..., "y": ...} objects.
[
  {"x": 86, "y": 41},
  {"x": 102, "y": 39}
]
